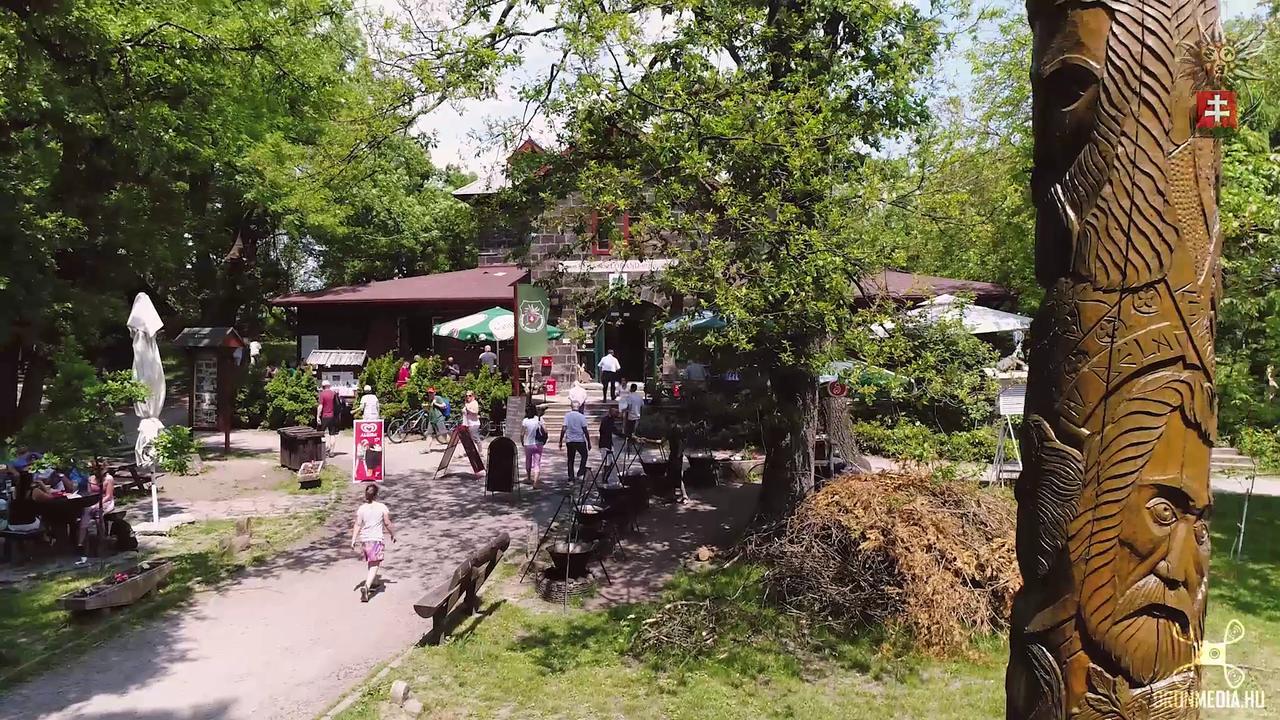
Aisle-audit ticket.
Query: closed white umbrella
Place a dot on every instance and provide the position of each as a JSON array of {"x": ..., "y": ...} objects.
[{"x": 144, "y": 322}]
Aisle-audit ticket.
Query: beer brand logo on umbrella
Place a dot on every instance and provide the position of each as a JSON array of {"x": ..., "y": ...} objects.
[{"x": 533, "y": 316}]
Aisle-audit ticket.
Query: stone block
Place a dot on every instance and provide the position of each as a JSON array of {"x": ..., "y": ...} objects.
[
  {"x": 399, "y": 692},
  {"x": 413, "y": 707}
]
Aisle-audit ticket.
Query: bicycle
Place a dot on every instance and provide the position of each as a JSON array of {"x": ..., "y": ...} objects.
[{"x": 417, "y": 422}]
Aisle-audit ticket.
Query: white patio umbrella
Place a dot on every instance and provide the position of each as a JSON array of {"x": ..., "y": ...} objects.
[
  {"x": 144, "y": 322},
  {"x": 976, "y": 319}
]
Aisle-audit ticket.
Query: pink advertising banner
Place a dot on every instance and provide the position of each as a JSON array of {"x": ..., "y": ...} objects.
[{"x": 368, "y": 455}]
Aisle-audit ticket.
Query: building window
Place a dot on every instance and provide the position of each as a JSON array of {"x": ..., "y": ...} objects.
[{"x": 603, "y": 235}]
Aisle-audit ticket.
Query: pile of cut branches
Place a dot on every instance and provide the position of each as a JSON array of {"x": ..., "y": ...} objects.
[{"x": 909, "y": 551}]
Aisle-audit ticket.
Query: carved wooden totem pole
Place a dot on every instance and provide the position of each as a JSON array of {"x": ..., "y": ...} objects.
[{"x": 1120, "y": 414}]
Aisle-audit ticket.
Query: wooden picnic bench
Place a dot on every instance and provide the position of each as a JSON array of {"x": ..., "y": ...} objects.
[
  {"x": 122, "y": 461},
  {"x": 461, "y": 591}
]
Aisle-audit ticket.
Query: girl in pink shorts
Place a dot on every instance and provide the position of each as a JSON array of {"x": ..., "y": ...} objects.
[
  {"x": 535, "y": 436},
  {"x": 372, "y": 519}
]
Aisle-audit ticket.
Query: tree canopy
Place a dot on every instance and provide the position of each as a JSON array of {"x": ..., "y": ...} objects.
[{"x": 204, "y": 152}]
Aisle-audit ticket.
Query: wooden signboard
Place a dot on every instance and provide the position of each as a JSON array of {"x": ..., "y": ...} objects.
[
  {"x": 460, "y": 434},
  {"x": 515, "y": 416}
]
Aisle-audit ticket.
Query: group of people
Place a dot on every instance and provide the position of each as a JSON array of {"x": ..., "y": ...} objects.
[
  {"x": 27, "y": 492},
  {"x": 575, "y": 434}
]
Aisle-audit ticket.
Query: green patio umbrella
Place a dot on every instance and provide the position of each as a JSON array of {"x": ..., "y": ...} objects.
[{"x": 493, "y": 325}]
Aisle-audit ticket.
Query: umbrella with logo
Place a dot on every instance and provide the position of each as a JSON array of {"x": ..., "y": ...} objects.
[{"x": 493, "y": 325}]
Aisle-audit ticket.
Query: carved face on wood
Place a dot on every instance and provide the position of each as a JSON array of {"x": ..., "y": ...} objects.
[{"x": 1151, "y": 630}]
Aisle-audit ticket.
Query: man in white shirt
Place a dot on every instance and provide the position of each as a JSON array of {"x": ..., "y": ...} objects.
[
  {"x": 255, "y": 349},
  {"x": 369, "y": 409},
  {"x": 609, "y": 367},
  {"x": 635, "y": 402}
]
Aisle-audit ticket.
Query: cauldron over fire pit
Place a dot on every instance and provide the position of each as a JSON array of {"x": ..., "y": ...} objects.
[{"x": 571, "y": 558}]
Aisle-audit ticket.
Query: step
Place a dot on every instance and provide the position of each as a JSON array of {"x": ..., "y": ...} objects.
[
  {"x": 1226, "y": 452},
  {"x": 1238, "y": 461}
]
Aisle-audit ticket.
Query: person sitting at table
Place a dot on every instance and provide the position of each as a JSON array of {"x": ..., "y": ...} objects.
[
  {"x": 22, "y": 511},
  {"x": 99, "y": 482}
]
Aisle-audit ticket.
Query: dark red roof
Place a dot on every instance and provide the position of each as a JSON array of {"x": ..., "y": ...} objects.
[
  {"x": 490, "y": 284},
  {"x": 899, "y": 285}
]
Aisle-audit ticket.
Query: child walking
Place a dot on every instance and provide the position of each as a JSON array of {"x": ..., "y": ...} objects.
[{"x": 371, "y": 519}]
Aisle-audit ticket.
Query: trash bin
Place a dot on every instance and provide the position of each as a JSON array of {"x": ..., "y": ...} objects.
[{"x": 300, "y": 444}]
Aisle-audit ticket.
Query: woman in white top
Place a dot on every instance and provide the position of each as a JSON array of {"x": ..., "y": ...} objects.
[
  {"x": 372, "y": 518},
  {"x": 471, "y": 414},
  {"x": 369, "y": 409},
  {"x": 533, "y": 444}
]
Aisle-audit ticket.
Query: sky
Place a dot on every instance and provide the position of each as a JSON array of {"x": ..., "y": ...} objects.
[{"x": 457, "y": 129}]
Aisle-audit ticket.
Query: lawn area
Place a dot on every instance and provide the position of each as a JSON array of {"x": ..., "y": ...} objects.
[
  {"x": 528, "y": 660},
  {"x": 39, "y": 634}
]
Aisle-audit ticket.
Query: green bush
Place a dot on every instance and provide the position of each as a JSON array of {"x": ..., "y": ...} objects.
[
  {"x": 251, "y": 398},
  {"x": 941, "y": 381},
  {"x": 1261, "y": 444},
  {"x": 174, "y": 447},
  {"x": 278, "y": 352},
  {"x": 910, "y": 440},
  {"x": 291, "y": 399},
  {"x": 380, "y": 375},
  {"x": 79, "y": 420}
]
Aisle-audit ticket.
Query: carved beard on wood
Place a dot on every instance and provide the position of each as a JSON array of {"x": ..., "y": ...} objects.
[{"x": 1121, "y": 413}]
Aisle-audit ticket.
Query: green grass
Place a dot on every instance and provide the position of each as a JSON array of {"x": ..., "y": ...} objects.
[
  {"x": 522, "y": 660},
  {"x": 534, "y": 663},
  {"x": 330, "y": 477},
  {"x": 39, "y": 633}
]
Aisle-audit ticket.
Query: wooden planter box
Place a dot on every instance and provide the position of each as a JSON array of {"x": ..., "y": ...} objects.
[{"x": 141, "y": 580}]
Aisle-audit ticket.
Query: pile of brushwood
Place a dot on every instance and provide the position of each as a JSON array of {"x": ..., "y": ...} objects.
[{"x": 923, "y": 556}]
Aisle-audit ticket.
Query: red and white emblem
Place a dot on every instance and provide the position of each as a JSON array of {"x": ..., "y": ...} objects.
[
  {"x": 837, "y": 389},
  {"x": 1216, "y": 109}
]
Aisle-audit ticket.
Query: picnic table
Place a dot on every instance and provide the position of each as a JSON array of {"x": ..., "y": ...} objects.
[{"x": 65, "y": 511}]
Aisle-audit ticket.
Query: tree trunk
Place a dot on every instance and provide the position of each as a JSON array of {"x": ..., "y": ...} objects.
[
  {"x": 789, "y": 436},
  {"x": 33, "y": 381},
  {"x": 9, "y": 388}
]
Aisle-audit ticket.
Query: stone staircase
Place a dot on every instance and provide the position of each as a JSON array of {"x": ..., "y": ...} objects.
[
  {"x": 1229, "y": 461},
  {"x": 553, "y": 416}
]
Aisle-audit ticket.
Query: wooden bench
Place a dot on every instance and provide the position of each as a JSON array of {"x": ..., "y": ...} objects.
[
  {"x": 19, "y": 539},
  {"x": 462, "y": 590}
]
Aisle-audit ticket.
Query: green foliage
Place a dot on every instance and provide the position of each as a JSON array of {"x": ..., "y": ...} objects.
[
  {"x": 380, "y": 374},
  {"x": 1263, "y": 445},
  {"x": 907, "y": 439},
  {"x": 251, "y": 397},
  {"x": 291, "y": 399},
  {"x": 174, "y": 447},
  {"x": 942, "y": 365},
  {"x": 214, "y": 153},
  {"x": 79, "y": 422}
]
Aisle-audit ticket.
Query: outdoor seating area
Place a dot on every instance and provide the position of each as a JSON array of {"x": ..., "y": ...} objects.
[{"x": 59, "y": 510}]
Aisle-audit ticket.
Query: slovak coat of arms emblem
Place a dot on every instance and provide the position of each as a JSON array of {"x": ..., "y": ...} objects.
[{"x": 533, "y": 316}]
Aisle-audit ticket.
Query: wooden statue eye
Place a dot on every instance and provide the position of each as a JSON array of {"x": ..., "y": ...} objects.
[
  {"x": 1162, "y": 511},
  {"x": 1202, "y": 533}
]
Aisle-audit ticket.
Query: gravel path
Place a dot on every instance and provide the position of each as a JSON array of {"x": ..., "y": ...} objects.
[
  {"x": 290, "y": 638},
  {"x": 285, "y": 640}
]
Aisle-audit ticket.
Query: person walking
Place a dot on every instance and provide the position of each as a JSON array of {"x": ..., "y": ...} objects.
[
  {"x": 402, "y": 375},
  {"x": 609, "y": 367},
  {"x": 372, "y": 521},
  {"x": 635, "y": 403},
  {"x": 489, "y": 360},
  {"x": 574, "y": 432},
  {"x": 578, "y": 396},
  {"x": 327, "y": 417},
  {"x": 255, "y": 349},
  {"x": 471, "y": 414},
  {"x": 369, "y": 409},
  {"x": 413, "y": 369},
  {"x": 608, "y": 431},
  {"x": 535, "y": 437}
]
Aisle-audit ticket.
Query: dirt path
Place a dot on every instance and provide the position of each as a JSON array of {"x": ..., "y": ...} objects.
[{"x": 288, "y": 639}]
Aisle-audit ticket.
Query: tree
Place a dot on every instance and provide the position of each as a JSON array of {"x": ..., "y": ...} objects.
[
  {"x": 199, "y": 151},
  {"x": 737, "y": 130}
]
